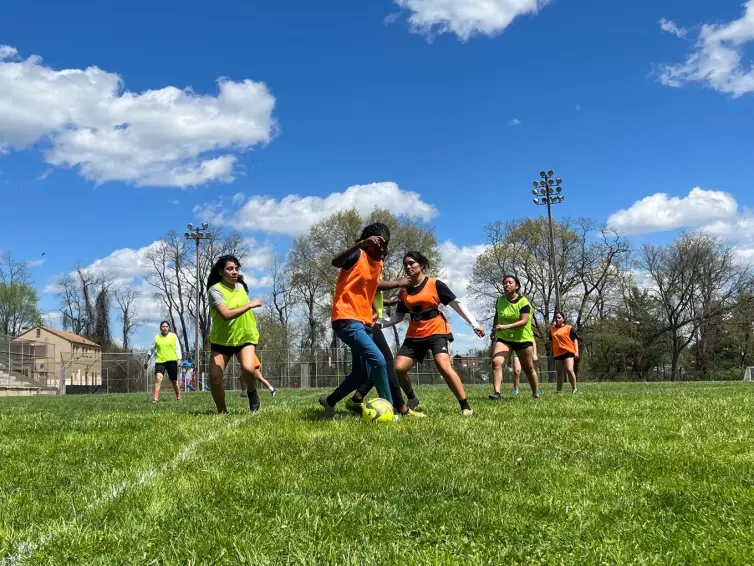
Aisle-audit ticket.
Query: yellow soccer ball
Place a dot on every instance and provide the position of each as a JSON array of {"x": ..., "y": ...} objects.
[{"x": 377, "y": 411}]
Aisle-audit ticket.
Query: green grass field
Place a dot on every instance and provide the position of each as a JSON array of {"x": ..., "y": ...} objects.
[{"x": 620, "y": 474}]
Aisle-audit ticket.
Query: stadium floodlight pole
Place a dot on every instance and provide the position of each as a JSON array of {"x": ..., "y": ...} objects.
[
  {"x": 548, "y": 193},
  {"x": 197, "y": 234}
]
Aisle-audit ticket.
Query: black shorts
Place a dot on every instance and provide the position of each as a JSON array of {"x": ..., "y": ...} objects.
[
  {"x": 515, "y": 346},
  {"x": 228, "y": 350},
  {"x": 417, "y": 348},
  {"x": 565, "y": 356},
  {"x": 167, "y": 368}
]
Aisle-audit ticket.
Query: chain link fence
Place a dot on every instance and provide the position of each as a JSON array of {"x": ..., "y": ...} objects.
[{"x": 28, "y": 367}]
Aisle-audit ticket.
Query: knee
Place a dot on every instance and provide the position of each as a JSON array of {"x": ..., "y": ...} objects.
[{"x": 498, "y": 362}]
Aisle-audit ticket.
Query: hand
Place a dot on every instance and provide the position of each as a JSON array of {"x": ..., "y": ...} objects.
[
  {"x": 500, "y": 327},
  {"x": 378, "y": 241},
  {"x": 403, "y": 282},
  {"x": 536, "y": 357},
  {"x": 479, "y": 331},
  {"x": 391, "y": 302},
  {"x": 577, "y": 355},
  {"x": 255, "y": 304},
  {"x": 375, "y": 316}
]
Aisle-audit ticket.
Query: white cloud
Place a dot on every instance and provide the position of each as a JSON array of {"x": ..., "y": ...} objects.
[
  {"x": 660, "y": 212},
  {"x": 167, "y": 137},
  {"x": 238, "y": 198},
  {"x": 125, "y": 264},
  {"x": 716, "y": 59},
  {"x": 671, "y": 27},
  {"x": 514, "y": 122},
  {"x": 466, "y": 18},
  {"x": 294, "y": 214},
  {"x": 457, "y": 263},
  {"x": 173, "y": 201},
  {"x": 36, "y": 262}
]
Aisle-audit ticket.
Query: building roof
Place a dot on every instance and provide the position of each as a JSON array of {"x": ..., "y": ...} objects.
[{"x": 68, "y": 336}]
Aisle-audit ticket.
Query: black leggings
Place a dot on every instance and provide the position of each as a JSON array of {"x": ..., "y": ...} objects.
[{"x": 392, "y": 376}]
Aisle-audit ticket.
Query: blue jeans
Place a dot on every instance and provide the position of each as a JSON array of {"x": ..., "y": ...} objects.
[{"x": 368, "y": 361}]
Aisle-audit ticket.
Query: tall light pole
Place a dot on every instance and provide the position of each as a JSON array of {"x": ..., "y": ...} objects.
[
  {"x": 197, "y": 234},
  {"x": 548, "y": 193}
]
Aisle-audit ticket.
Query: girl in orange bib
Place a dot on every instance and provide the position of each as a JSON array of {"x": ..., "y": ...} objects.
[
  {"x": 565, "y": 349},
  {"x": 428, "y": 330}
]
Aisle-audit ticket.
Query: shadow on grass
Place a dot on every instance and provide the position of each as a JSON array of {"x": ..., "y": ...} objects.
[{"x": 318, "y": 415}]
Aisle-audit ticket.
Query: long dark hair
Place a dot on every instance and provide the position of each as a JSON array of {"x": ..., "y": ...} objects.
[
  {"x": 561, "y": 313},
  {"x": 166, "y": 322},
  {"x": 376, "y": 229},
  {"x": 418, "y": 257},
  {"x": 215, "y": 274}
]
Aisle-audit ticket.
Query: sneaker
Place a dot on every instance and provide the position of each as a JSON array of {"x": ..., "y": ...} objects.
[
  {"x": 576, "y": 390},
  {"x": 354, "y": 407},
  {"x": 515, "y": 393},
  {"x": 413, "y": 403},
  {"x": 467, "y": 412},
  {"x": 274, "y": 392},
  {"x": 414, "y": 415},
  {"x": 329, "y": 411},
  {"x": 539, "y": 391},
  {"x": 495, "y": 396},
  {"x": 254, "y": 403}
]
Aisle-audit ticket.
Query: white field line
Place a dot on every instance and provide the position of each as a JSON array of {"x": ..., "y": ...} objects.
[{"x": 26, "y": 548}]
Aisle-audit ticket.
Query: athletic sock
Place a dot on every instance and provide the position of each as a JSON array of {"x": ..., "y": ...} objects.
[
  {"x": 464, "y": 404},
  {"x": 253, "y": 400}
]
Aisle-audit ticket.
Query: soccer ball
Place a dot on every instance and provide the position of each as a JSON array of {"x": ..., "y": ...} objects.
[{"x": 377, "y": 411}]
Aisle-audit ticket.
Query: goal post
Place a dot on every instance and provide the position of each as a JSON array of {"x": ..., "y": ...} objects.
[{"x": 749, "y": 374}]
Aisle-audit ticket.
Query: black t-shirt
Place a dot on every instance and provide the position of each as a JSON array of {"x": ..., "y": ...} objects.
[{"x": 443, "y": 291}]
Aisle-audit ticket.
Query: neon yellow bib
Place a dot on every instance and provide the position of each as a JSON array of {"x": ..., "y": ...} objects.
[
  {"x": 166, "y": 350},
  {"x": 236, "y": 332},
  {"x": 509, "y": 313}
]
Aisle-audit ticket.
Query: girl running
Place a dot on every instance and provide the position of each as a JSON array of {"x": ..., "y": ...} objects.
[
  {"x": 513, "y": 334},
  {"x": 234, "y": 329},
  {"x": 260, "y": 378},
  {"x": 168, "y": 350},
  {"x": 565, "y": 349},
  {"x": 352, "y": 313},
  {"x": 428, "y": 330}
]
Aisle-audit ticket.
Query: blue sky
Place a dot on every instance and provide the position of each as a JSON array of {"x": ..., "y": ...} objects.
[{"x": 463, "y": 108}]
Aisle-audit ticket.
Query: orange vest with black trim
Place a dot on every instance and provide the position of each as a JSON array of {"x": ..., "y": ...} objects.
[
  {"x": 355, "y": 290},
  {"x": 425, "y": 300},
  {"x": 561, "y": 340}
]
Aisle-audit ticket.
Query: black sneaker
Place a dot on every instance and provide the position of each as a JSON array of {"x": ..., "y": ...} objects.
[
  {"x": 413, "y": 403},
  {"x": 254, "y": 401},
  {"x": 495, "y": 396}
]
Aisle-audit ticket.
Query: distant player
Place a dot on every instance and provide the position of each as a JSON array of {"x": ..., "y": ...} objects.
[
  {"x": 234, "y": 329},
  {"x": 513, "y": 333},
  {"x": 428, "y": 330},
  {"x": 565, "y": 349},
  {"x": 167, "y": 347}
]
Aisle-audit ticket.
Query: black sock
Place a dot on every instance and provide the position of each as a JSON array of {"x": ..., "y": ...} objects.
[
  {"x": 357, "y": 399},
  {"x": 464, "y": 404},
  {"x": 411, "y": 394},
  {"x": 253, "y": 400},
  {"x": 329, "y": 401}
]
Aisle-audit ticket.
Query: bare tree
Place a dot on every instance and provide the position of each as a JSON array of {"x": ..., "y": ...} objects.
[
  {"x": 126, "y": 297},
  {"x": 169, "y": 274},
  {"x": 72, "y": 311}
]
